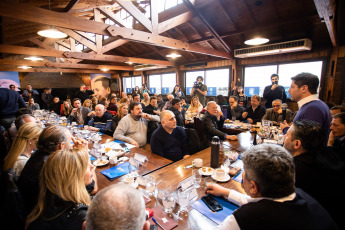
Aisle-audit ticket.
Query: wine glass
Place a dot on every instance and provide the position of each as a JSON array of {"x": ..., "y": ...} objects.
[
  {"x": 150, "y": 185},
  {"x": 197, "y": 178},
  {"x": 168, "y": 200},
  {"x": 183, "y": 200}
]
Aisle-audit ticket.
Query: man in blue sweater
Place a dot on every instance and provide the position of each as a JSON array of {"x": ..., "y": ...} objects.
[
  {"x": 170, "y": 141},
  {"x": 10, "y": 102},
  {"x": 304, "y": 90}
]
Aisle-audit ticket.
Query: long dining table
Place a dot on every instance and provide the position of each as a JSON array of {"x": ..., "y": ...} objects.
[{"x": 173, "y": 173}]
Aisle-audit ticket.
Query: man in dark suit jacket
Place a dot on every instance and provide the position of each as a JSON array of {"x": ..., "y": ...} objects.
[
  {"x": 152, "y": 108},
  {"x": 79, "y": 113},
  {"x": 274, "y": 91},
  {"x": 234, "y": 109},
  {"x": 255, "y": 112}
]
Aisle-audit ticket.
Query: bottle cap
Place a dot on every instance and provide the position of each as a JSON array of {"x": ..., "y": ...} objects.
[{"x": 215, "y": 139}]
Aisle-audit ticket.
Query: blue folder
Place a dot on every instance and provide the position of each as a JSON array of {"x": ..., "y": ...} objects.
[
  {"x": 92, "y": 158},
  {"x": 118, "y": 170},
  {"x": 217, "y": 217}
]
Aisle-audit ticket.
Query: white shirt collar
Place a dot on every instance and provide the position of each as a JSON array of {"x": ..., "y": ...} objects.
[
  {"x": 306, "y": 100},
  {"x": 282, "y": 199}
]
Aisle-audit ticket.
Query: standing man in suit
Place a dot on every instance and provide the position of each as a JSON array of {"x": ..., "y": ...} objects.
[
  {"x": 274, "y": 91},
  {"x": 79, "y": 113}
]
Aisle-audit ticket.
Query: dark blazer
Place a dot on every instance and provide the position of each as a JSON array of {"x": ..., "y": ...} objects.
[
  {"x": 256, "y": 115},
  {"x": 213, "y": 127},
  {"x": 237, "y": 111}
]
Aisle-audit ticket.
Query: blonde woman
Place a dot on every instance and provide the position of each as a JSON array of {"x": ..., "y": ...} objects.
[
  {"x": 22, "y": 146},
  {"x": 195, "y": 106},
  {"x": 122, "y": 110},
  {"x": 66, "y": 108},
  {"x": 87, "y": 103},
  {"x": 63, "y": 199}
]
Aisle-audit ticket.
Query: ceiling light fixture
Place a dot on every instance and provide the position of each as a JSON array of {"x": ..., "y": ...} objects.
[
  {"x": 52, "y": 33},
  {"x": 32, "y": 58},
  {"x": 105, "y": 69},
  {"x": 128, "y": 62},
  {"x": 174, "y": 55},
  {"x": 256, "y": 41},
  {"x": 24, "y": 67}
]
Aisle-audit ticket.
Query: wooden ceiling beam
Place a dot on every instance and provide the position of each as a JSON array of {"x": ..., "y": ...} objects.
[
  {"x": 175, "y": 21},
  {"x": 113, "y": 45},
  {"x": 208, "y": 25},
  {"x": 113, "y": 17},
  {"x": 53, "y": 70},
  {"x": 157, "y": 40},
  {"x": 136, "y": 13},
  {"x": 70, "y": 5},
  {"x": 154, "y": 15},
  {"x": 31, "y": 51},
  {"x": 99, "y": 39},
  {"x": 326, "y": 11},
  {"x": 79, "y": 38}
]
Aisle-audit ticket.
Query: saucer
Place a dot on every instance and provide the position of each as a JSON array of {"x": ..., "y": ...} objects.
[{"x": 224, "y": 179}]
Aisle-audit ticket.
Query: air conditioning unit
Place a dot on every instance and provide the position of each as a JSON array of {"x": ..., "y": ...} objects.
[{"x": 278, "y": 48}]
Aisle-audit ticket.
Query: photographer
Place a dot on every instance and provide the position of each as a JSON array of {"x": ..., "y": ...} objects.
[
  {"x": 274, "y": 91},
  {"x": 199, "y": 90}
]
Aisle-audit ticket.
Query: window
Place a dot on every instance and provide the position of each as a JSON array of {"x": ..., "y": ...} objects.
[
  {"x": 162, "y": 83},
  {"x": 129, "y": 83},
  {"x": 257, "y": 78},
  {"x": 217, "y": 81}
]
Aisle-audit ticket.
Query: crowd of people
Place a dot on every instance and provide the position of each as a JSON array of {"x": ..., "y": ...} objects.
[{"x": 56, "y": 180}]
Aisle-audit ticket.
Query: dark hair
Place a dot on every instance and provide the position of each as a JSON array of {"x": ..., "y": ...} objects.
[
  {"x": 20, "y": 120},
  {"x": 56, "y": 97},
  {"x": 179, "y": 88},
  {"x": 153, "y": 98},
  {"x": 183, "y": 98},
  {"x": 311, "y": 80},
  {"x": 51, "y": 137},
  {"x": 341, "y": 116},
  {"x": 135, "y": 95},
  {"x": 133, "y": 104},
  {"x": 111, "y": 98},
  {"x": 11, "y": 86},
  {"x": 211, "y": 99},
  {"x": 202, "y": 79},
  {"x": 274, "y": 75},
  {"x": 309, "y": 133},
  {"x": 174, "y": 101},
  {"x": 75, "y": 99},
  {"x": 159, "y": 96},
  {"x": 234, "y": 97},
  {"x": 23, "y": 111},
  {"x": 104, "y": 80},
  {"x": 220, "y": 99},
  {"x": 47, "y": 88},
  {"x": 338, "y": 107}
]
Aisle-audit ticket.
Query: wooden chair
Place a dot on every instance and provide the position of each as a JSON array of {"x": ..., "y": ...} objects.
[{"x": 194, "y": 141}]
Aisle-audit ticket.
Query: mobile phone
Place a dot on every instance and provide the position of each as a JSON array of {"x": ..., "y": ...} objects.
[
  {"x": 212, "y": 203},
  {"x": 123, "y": 145},
  {"x": 153, "y": 227}
]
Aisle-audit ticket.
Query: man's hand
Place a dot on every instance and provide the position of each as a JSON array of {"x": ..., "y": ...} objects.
[
  {"x": 93, "y": 128},
  {"x": 250, "y": 120},
  {"x": 283, "y": 125},
  {"x": 91, "y": 113},
  {"x": 245, "y": 114},
  {"x": 186, "y": 156},
  {"x": 330, "y": 139},
  {"x": 134, "y": 143},
  {"x": 232, "y": 137},
  {"x": 156, "y": 112},
  {"x": 146, "y": 116},
  {"x": 217, "y": 190},
  {"x": 79, "y": 143},
  {"x": 274, "y": 86},
  {"x": 280, "y": 111},
  {"x": 74, "y": 110}
]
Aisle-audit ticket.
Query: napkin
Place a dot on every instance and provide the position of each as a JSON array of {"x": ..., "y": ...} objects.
[
  {"x": 158, "y": 214},
  {"x": 118, "y": 170}
]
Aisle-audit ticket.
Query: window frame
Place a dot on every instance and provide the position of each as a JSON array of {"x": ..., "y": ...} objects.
[{"x": 161, "y": 77}]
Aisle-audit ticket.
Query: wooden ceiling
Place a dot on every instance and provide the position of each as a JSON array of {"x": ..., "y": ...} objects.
[{"x": 200, "y": 30}]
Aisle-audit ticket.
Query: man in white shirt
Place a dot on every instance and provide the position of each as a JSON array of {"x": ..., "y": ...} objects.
[{"x": 273, "y": 201}]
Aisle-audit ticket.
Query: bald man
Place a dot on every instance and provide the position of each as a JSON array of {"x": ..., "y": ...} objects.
[
  {"x": 100, "y": 121},
  {"x": 170, "y": 141},
  {"x": 214, "y": 121}
]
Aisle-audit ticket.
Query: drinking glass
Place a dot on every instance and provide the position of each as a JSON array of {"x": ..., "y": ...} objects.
[
  {"x": 150, "y": 185},
  {"x": 183, "y": 200},
  {"x": 209, "y": 180},
  {"x": 197, "y": 178},
  {"x": 280, "y": 138},
  {"x": 168, "y": 200},
  {"x": 233, "y": 118}
]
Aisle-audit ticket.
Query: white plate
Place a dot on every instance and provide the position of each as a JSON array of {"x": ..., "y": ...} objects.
[
  {"x": 115, "y": 152},
  {"x": 224, "y": 179},
  {"x": 207, "y": 173},
  {"x": 97, "y": 163}
]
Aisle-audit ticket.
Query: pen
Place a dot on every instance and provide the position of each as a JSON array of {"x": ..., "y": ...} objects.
[
  {"x": 154, "y": 220},
  {"x": 189, "y": 166}
]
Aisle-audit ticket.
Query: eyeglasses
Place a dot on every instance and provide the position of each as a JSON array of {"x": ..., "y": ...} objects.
[{"x": 275, "y": 105}]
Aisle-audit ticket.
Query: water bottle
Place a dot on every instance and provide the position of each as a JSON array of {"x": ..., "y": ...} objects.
[{"x": 215, "y": 145}]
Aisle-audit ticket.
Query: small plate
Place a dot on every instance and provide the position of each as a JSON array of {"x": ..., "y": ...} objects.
[
  {"x": 208, "y": 171},
  {"x": 115, "y": 152},
  {"x": 225, "y": 179},
  {"x": 100, "y": 162}
]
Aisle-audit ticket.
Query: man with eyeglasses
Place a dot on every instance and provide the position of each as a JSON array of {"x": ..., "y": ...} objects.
[{"x": 276, "y": 114}]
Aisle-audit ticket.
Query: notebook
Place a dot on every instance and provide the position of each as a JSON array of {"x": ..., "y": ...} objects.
[{"x": 118, "y": 170}]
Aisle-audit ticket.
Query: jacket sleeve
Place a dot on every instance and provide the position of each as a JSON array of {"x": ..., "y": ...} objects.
[
  {"x": 21, "y": 102},
  {"x": 211, "y": 129},
  {"x": 156, "y": 145},
  {"x": 260, "y": 115}
]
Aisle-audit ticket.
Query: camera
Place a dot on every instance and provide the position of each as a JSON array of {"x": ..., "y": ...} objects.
[{"x": 197, "y": 85}]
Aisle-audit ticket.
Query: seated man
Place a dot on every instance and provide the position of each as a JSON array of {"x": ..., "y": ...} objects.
[
  {"x": 56, "y": 105},
  {"x": 136, "y": 98},
  {"x": 133, "y": 127},
  {"x": 255, "y": 112},
  {"x": 160, "y": 102},
  {"x": 146, "y": 100},
  {"x": 234, "y": 109},
  {"x": 337, "y": 109},
  {"x": 168, "y": 103},
  {"x": 100, "y": 121},
  {"x": 117, "y": 207},
  {"x": 170, "y": 141},
  {"x": 337, "y": 135},
  {"x": 178, "y": 111},
  {"x": 320, "y": 171},
  {"x": 52, "y": 139},
  {"x": 152, "y": 107},
  {"x": 32, "y": 105},
  {"x": 79, "y": 113},
  {"x": 276, "y": 114},
  {"x": 273, "y": 201},
  {"x": 214, "y": 121}
]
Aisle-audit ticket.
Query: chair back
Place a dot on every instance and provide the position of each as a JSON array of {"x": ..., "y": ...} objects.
[
  {"x": 194, "y": 141},
  {"x": 200, "y": 129}
]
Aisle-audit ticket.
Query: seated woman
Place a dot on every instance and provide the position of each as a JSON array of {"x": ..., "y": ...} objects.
[
  {"x": 177, "y": 93},
  {"x": 195, "y": 106},
  {"x": 87, "y": 103},
  {"x": 63, "y": 200},
  {"x": 66, "y": 108},
  {"x": 122, "y": 110},
  {"x": 22, "y": 146},
  {"x": 184, "y": 103}
]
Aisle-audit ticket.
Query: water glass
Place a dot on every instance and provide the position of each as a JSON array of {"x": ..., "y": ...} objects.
[
  {"x": 281, "y": 139},
  {"x": 209, "y": 180},
  {"x": 183, "y": 200},
  {"x": 168, "y": 200},
  {"x": 197, "y": 178},
  {"x": 150, "y": 185}
]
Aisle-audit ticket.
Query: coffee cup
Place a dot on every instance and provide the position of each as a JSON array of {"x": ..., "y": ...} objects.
[
  {"x": 113, "y": 160},
  {"x": 197, "y": 162},
  {"x": 86, "y": 127},
  {"x": 220, "y": 173},
  {"x": 74, "y": 123},
  {"x": 129, "y": 180}
]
